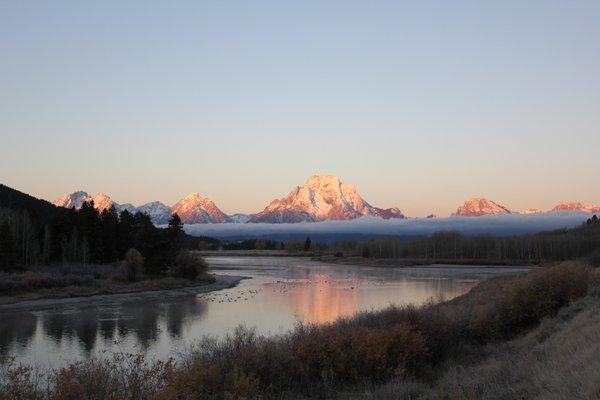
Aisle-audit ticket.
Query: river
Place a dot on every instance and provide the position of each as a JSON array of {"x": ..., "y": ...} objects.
[{"x": 279, "y": 292}]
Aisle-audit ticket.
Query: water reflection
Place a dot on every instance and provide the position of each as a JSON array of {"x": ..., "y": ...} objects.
[{"x": 281, "y": 292}]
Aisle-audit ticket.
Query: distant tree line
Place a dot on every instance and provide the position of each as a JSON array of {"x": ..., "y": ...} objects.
[
  {"x": 291, "y": 246},
  {"x": 556, "y": 245},
  {"x": 252, "y": 244}
]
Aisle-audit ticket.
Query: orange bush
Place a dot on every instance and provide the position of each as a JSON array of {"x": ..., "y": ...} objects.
[
  {"x": 528, "y": 299},
  {"x": 32, "y": 279}
]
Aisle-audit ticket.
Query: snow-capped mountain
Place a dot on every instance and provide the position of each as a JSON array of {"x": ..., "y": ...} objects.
[
  {"x": 478, "y": 206},
  {"x": 389, "y": 213},
  {"x": 76, "y": 199},
  {"x": 158, "y": 212},
  {"x": 575, "y": 206},
  {"x": 323, "y": 197},
  {"x": 126, "y": 207},
  {"x": 103, "y": 202},
  {"x": 239, "y": 218},
  {"x": 195, "y": 209},
  {"x": 532, "y": 211}
]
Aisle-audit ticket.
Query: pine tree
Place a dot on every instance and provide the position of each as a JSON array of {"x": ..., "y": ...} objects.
[
  {"x": 109, "y": 221},
  {"x": 175, "y": 225},
  {"x": 125, "y": 233},
  {"x": 307, "y": 244},
  {"x": 8, "y": 248},
  {"x": 91, "y": 232},
  {"x": 175, "y": 236}
]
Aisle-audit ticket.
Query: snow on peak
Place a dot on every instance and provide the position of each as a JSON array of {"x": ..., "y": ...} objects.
[
  {"x": 475, "y": 207},
  {"x": 532, "y": 211},
  {"x": 70, "y": 200},
  {"x": 103, "y": 202},
  {"x": 319, "y": 181},
  {"x": 76, "y": 199},
  {"x": 323, "y": 197},
  {"x": 195, "y": 209},
  {"x": 239, "y": 218},
  {"x": 158, "y": 212},
  {"x": 575, "y": 206}
]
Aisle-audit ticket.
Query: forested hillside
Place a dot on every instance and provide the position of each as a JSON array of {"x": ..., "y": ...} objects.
[{"x": 33, "y": 232}]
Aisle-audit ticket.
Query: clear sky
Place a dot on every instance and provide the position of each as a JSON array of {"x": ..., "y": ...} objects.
[{"x": 419, "y": 104}]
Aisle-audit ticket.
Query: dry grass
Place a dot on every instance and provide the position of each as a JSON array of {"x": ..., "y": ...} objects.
[
  {"x": 407, "y": 346},
  {"x": 560, "y": 359}
]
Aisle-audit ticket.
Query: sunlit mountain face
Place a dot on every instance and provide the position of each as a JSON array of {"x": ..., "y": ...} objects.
[
  {"x": 476, "y": 207},
  {"x": 195, "y": 209},
  {"x": 576, "y": 206},
  {"x": 321, "y": 198}
]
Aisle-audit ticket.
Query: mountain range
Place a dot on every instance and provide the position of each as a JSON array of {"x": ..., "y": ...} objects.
[{"x": 321, "y": 198}]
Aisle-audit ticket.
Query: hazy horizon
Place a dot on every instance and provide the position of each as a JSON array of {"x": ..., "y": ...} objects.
[{"x": 420, "y": 106}]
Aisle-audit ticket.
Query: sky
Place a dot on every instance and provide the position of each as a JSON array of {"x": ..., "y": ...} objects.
[{"x": 419, "y": 104}]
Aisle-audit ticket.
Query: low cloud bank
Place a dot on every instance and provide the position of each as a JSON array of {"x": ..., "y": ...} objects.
[{"x": 495, "y": 225}]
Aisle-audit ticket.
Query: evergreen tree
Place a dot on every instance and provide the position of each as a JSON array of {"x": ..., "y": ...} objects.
[
  {"x": 307, "y": 244},
  {"x": 175, "y": 235},
  {"x": 8, "y": 248},
  {"x": 154, "y": 244},
  {"x": 125, "y": 233},
  {"x": 175, "y": 225},
  {"x": 109, "y": 221},
  {"x": 91, "y": 232}
]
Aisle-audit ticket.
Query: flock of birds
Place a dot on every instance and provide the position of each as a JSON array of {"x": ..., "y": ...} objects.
[
  {"x": 229, "y": 297},
  {"x": 282, "y": 287}
]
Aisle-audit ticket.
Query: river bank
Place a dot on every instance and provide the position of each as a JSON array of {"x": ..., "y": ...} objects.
[
  {"x": 254, "y": 253},
  {"x": 417, "y": 262},
  {"x": 188, "y": 288}
]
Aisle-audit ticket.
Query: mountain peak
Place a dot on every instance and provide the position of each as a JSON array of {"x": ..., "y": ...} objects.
[
  {"x": 194, "y": 196},
  {"x": 323, "y": 197},
  {"x": 196, "y": 209},
  {"x": 575, "y": 206},
  {"x": 317, "y": 180},
  {"x": 103, "y": 202},
  {"x": 477, "y": 206},
  {"x": 70, "y": 200}
]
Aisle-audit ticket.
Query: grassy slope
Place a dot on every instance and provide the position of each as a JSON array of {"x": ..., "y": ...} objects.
[{"x": 560, "y": 359}]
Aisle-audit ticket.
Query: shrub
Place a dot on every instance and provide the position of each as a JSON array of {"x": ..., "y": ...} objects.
[
  {"x": 124, "y": 376},
  {"x": 133, "y": 265},
  {"x": 189, "y": 266},
  {"x": 528, "y": 299},
  {"x": 32, "y": 279},
  {"x": 593, "y": 259}
]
